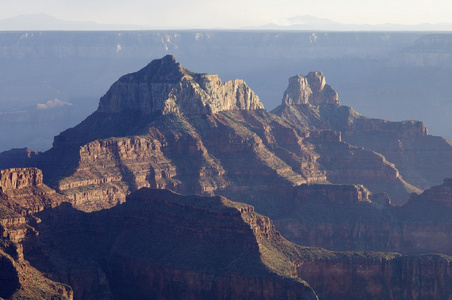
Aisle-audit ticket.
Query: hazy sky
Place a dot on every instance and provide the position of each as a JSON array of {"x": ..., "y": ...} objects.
[{"x": 232, "y": 13}]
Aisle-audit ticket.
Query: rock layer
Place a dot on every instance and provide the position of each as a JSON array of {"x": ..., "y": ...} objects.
[
  {"x": 226, "y": 249},
  {"x": 215, "y": 248},
  {"x": 349, "y": 218},
  {"x": 201, "y": 154},
  {"x": 25, "y": 188},
  {"x": 378, "y": 276},
  {"x": 21, "y": 194},
  {"x": 169, "y": 246}
]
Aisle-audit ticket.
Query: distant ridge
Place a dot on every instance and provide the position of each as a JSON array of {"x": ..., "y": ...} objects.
[
  {"x": 46, "y": 22},
  {"x": 307, "y": 22}
]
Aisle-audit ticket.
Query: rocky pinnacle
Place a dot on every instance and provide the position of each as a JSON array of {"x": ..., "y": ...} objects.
[
  {"x": 164, "y": 86},
  {"x": 310, "y": 89}
]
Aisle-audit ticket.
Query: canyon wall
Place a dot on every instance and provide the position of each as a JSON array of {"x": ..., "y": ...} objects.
[
  {"x": 378, "y": 276},
  {"x": 165, "y": 244},
  {"x": 22, "y": 193},
  {"x": 349, "y": 218}
]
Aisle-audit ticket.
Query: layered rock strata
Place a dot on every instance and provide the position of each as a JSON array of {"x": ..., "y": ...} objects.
[
  {"x": 352, "y": 275},
  {"x": 346, "y": 217},
  {"x": 169, "y": 246},
  {"x": 423, "y": 160},
  {"x": 25, "y": 187},
  {"x": 135, "y": 241},
  {"x": 167, "y": 127},
  {"x": 22, "y": 193},
  {"x": 172, "y": 246},
  {"x": 347, "y": 164}
]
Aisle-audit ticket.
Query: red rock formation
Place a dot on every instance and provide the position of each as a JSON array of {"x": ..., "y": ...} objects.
[
  {"x": 167, "y": 127},
  {"x": 347, "y": 164},
  {"x": 22, "y": 193},
  {"x": 19, "y": 280},
  {"x": 15, "y": 179},
  {"x": 172, "y": 246},
  {"x": 24, "y": 187},
  {"x": 423, "y": 160},
  {"x": 167, "y": 245}
]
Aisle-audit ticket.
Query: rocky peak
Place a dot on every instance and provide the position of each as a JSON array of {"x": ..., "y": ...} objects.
[
  {"x": 309, "y": 89},
  {"x": 164, "y": 86}
]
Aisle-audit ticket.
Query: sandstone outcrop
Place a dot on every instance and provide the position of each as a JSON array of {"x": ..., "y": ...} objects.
[
  {"x": 25, "y": 188},
  {"x": 226, "y": 248},
  {"x": 422, "y": 160},
  {"x": 164, "y": 86},
  {"x": 191, "y": 154},
  {"x": 22, "y": 193},
  {"x": 310, "y": 89},
  {"x": 347, "y": 164},
  {"x": 19, "y": 280}
]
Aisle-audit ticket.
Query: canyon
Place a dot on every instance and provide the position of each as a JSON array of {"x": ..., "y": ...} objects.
[
  {"x": 180, "y": 185},
  {"x": 168, "y": 245}
]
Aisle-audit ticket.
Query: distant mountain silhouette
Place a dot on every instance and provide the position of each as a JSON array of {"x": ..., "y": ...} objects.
[
  {"x": 307, "y": 22},
  {"x": 47, "y": 22}
]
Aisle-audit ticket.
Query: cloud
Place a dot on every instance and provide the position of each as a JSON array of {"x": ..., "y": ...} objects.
[{"x": 52, "y": 104}]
